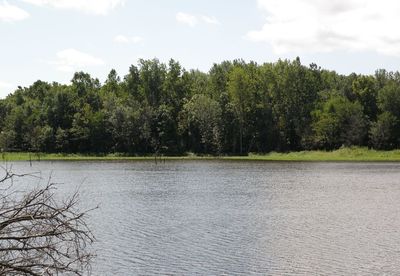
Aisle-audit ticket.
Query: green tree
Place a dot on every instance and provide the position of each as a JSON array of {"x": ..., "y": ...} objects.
[
  {"x": 236, "y": 107},
  {"x": 41, "y": 139},
  {"x": 112, "y": 84},
  {"x": 364, "y": 88},
  {"x": 293, "y": 96},
  {"x": 383, "y": 132},
  {"x": 338, "y": 122},
  {"x": 62, "y": 140},
  {"x": 240, "y": 95},
  {"x": 152, "y": 76},
  {"x": 389, "y": 98},
  {"x": 200, "y": 119}
]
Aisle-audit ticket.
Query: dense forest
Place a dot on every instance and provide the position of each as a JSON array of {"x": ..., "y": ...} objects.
[{"x": 235, "y": 108}]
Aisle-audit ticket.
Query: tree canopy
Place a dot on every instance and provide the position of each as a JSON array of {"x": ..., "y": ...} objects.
[{"x": 235, "y": 108}]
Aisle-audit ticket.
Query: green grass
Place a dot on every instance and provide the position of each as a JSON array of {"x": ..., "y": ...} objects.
[{"x": 343, "y": 154}]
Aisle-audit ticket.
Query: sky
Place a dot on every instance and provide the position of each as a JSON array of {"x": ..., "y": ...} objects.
[{"x": 51, "y": 39}]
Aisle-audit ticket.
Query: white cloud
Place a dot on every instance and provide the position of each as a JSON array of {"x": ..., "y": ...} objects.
[
  {"x": 98, "y": 7},
  {"x": 11, "y": 13},
  {"x": 210, "y": 20},
  {"x": 70, "y": 60},
  {"x": 128, "y": 39},
  {"x": 193, "y": 20},
  {"x": 325, "y": 26},
  {"x": 186, "y": 18}
]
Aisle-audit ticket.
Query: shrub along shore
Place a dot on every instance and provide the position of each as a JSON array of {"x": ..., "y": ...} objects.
[{"x": 342, "y": 154}]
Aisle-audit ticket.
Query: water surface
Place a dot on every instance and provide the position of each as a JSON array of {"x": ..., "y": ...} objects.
[{"x": 237, "y": 218}]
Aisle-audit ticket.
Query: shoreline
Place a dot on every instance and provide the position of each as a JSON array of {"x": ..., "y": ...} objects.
[{"x": 340, "y": 155}]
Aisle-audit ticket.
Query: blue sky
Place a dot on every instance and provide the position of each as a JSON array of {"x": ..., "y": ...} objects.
[{"x": 50, "y": 39}]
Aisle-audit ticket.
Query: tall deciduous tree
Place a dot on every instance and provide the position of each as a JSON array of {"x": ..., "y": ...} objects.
[{"x": 279, "y": 106}]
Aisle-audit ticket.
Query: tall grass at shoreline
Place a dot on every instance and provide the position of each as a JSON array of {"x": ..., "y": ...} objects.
[{"x": 343, "y": 154}]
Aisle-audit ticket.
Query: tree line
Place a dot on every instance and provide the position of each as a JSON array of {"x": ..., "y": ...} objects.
[{"x": 236, "y": 108}]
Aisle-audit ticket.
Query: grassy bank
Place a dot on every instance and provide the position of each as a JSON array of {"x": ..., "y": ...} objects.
[{"x": 344, "y": 154}]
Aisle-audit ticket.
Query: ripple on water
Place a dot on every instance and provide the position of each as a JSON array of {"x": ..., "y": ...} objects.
[{"x": 239, "y": 218}]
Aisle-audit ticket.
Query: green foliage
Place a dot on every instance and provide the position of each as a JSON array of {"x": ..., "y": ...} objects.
[
  {"x": 389, "y": 98},
  {"x": 338, "y": 122},
  {"x": 383, "y": 131},
  {"x": 235, "y": 108},
  {"x": 201, "y": 120},
  {"x": 294, "y": 90},
  {"x": 364, "y": 87}
]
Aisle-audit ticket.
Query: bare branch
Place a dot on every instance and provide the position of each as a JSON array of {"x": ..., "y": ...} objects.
[{"x": 40, "y": 235}]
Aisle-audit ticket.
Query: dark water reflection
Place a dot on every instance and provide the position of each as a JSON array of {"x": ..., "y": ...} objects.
[{"x": 238, "y": 218}]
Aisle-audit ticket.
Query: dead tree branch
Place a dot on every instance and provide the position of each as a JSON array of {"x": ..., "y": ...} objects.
[{"x": 41, "y": 235}]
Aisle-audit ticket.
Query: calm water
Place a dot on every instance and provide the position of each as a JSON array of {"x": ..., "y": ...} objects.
[{"x": 238, "y": 218}]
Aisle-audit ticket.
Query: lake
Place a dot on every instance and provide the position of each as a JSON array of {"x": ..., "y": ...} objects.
[{"x": 237, "y": 218}]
